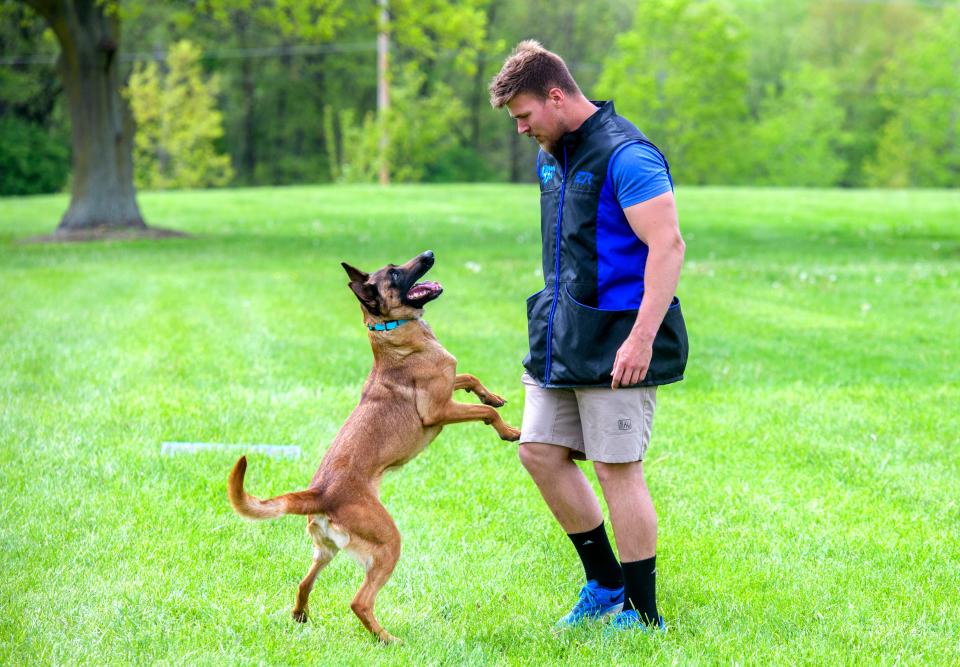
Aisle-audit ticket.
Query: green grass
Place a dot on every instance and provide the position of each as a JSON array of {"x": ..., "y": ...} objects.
[{"x": 806, "y": 473}]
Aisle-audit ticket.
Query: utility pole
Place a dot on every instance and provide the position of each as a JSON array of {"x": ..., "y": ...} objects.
[{"x": 383, "y": 88}]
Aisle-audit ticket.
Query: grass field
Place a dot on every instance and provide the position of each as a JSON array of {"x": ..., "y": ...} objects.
[{"x": 806, "y": 473}]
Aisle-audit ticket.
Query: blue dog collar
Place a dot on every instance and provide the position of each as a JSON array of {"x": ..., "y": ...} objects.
[{"x": 386, "y": 326}]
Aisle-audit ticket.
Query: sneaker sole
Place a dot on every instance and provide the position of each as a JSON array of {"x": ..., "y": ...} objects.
[
  {"x": 615, "y": 609},
  {"x": 612, "y": 631},
  {"x": 602, "y": 616}
]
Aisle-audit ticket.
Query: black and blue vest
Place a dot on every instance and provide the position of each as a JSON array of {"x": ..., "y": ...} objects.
[{"x": 593, "y": 266}]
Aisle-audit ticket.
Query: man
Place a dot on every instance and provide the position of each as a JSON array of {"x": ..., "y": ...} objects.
[{"x": 605, "y": 330}]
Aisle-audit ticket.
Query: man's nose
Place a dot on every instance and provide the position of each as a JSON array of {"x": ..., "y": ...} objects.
[{"x": 522, "y": 128}]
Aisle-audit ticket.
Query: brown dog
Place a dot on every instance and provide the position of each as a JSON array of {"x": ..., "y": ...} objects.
[{"x": 406, "y": 400}]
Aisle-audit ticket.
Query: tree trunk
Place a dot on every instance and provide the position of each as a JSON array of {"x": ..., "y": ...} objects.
[
  {"x": 478, "y": 102},
  {"x": 514, "y": 157},
  {"x": 247, "y": 165},
  {"x": 102, "y": 125}
]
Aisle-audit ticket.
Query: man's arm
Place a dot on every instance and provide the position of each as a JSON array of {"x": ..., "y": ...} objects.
[{"x": 655, "y": 223}]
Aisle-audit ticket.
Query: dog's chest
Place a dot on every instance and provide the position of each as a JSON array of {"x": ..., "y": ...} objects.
[
  {"x": 429, "y": 434},
  {"x": 439, "y": 357}
]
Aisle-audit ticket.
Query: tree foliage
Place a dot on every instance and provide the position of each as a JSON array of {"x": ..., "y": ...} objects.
[
  {"x": 798, "y": 138},
  {"x": 434, "y": 49},
  {"x": 34, "y": 139},
  {"x": 920, "y": 89},
  {"x": 791, "y": 92},
  {"x": 854, "y": 42},
  {"x": 421, "y": 129},
  {"x": 32, "y": 161},
  {"x": 178, "y": 124},
  {"x": 680, "y": 74}
]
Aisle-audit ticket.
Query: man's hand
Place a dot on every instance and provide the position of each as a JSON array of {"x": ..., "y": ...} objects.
[
  {"x": 655, "y": 223},
  {"x": 633, "y": 360}
]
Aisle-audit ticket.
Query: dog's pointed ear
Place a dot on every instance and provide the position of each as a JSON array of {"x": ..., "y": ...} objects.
[
  {"x": 356, "y": 275},
  {"x": 367, "y": 294}
]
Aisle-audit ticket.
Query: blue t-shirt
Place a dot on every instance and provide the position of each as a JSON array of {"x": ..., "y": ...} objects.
[{"x": 639, "y": 173}]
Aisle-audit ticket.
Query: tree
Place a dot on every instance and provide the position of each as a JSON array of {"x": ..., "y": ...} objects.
[
  {"x": 102, "y": 193},
  {"x": 34, "y": 153},
  {"x": 434, "y": 47},
  {"x": 771, "y": 29},
  {"x": 580, "y": 32},
  {"x": 854, "y": 41},
  {"x": 421, "y": 129},
  {"x": 273, "y": 103},
  {"x": 31, "y": 162},
  {"x": 102, "y": 126},
  {"x": 177, "y": 123},
  {"x": 798, "y": 139},
  {"x": 920, "y": 143},
  {"x": 680, "y": 75}
]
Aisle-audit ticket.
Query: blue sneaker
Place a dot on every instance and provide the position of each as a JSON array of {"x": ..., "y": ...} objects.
[
  {"x": 595, "y": 602},
  {"x": 630, "y": 620}
]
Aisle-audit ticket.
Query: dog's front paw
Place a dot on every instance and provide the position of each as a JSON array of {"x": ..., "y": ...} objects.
[
  {"x": 510, "y": 434},
  {"x": 493, "y": 400},
  {"x": 299, "y": 616}
]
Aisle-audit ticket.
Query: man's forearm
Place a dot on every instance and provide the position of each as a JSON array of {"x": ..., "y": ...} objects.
[{"x": 661, "y": 275}]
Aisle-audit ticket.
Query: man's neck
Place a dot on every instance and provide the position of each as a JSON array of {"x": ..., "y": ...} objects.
[{"x": 579, "y": 111}]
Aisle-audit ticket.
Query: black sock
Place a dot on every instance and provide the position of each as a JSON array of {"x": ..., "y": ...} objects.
[
  {"x": 597, "y": 557},
  {"x": 640, "y": 582}
]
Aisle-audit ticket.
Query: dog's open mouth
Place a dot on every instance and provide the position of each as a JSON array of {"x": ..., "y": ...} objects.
[{"x": 423, "y": 292}]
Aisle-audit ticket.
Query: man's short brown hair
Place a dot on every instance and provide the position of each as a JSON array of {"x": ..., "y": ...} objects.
[{"x": 530, "y": 69}]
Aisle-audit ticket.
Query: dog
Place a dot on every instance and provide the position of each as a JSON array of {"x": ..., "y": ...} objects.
[{"x": 406, "y": 400}]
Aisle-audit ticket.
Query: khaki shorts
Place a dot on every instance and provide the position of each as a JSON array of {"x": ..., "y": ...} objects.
[{"x": 596, "y": 423}]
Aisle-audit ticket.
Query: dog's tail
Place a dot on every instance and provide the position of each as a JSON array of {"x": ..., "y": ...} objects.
[{"x": 299, "y": 502}]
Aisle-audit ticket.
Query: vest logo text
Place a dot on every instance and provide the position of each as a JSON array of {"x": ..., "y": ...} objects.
[
  {"x": 583, "y": 178},
  {"x": 546, "y": 173}
]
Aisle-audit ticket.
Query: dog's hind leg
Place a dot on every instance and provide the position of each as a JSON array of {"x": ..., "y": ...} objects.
[
  {"x": 323, "y": 552},
  {"x": 376, "y": 544}
]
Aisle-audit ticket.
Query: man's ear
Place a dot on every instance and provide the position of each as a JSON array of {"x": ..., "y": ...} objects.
[{"x": 356, "y": 275}]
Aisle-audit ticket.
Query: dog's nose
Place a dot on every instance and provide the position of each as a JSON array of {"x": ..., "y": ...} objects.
[{"x": 427, "y": 256}]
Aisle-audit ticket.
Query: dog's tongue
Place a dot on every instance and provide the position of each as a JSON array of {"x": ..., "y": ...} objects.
[{"x": 423, "y": 289}]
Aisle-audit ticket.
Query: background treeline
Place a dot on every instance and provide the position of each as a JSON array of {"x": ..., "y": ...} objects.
[{"x": 846, "y": 93}]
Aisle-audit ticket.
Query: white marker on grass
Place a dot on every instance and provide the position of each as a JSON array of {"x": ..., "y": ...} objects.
[{"x": 276, "y": 451}]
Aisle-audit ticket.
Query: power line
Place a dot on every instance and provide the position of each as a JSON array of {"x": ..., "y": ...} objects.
[
  {"x": 215, "y": 54},
  {"x": 356, "y": 47},
  {"x": 932, "y": 4},
  {"x": 371, "y": 46}
]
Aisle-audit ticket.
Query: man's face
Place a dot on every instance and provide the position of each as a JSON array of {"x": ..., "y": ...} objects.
[{"x": 540, "y": 118}]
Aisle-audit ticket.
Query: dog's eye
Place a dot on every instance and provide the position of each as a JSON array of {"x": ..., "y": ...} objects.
[{"x": 394, "y": 275}]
